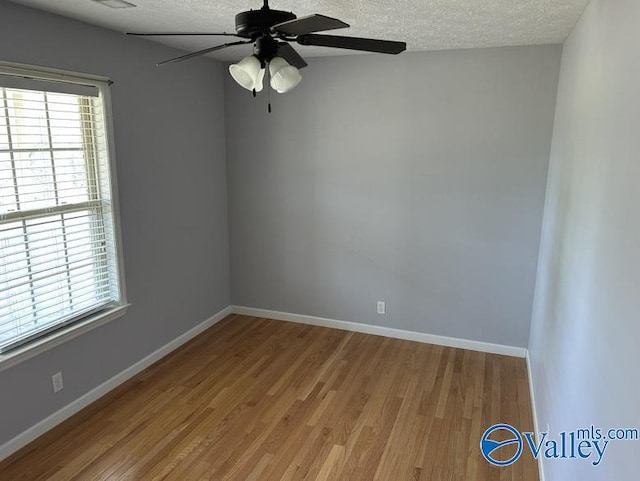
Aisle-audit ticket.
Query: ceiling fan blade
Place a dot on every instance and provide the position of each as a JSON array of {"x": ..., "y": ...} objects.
[
  {"x": 308, "y": 24},
  {"x": 202, "y": 52},
  {"x": 288, "y": 53},
  {"x": 353, "y": 43},
  {"x": 173, "y": 34}
]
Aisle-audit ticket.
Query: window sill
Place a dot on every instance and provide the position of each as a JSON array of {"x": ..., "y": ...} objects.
[{"x": 56, "y": 338}]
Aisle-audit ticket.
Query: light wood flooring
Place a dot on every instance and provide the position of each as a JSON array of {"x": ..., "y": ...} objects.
[{"x": 258, "y": 400}]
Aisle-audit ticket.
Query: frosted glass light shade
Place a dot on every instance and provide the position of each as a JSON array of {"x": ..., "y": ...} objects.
[
  {"x": 284, "y": 76},
  {"x": 248, "y": 73}
]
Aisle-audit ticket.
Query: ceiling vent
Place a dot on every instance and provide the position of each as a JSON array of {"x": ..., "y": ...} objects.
[{"x": 115, "y": 3}]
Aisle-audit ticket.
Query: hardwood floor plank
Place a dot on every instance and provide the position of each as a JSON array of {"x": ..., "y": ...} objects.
[{"x": 258, "y": 400}]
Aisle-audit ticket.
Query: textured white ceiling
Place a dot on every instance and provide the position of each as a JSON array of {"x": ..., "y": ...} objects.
[{"x": 423, "y": 24}]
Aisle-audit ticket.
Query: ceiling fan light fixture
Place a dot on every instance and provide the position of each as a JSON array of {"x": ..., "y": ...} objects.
[
  {"x": 284, "y": 76},
  {"x": 248, "y": 73}
]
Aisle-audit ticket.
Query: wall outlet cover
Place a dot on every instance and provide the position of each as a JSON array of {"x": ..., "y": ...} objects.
[{"x": 56, "y": 380}]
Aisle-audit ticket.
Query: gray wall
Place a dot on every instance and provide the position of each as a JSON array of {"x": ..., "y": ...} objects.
[
  {"x": 417, "y": 179},
  {"x": 585, "y": 328},
  {"x": 169, "y": 129}
]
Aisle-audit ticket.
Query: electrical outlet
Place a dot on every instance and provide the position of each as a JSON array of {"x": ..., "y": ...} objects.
[
  {"x": 382, "y": 307},
  {"x": 56, "y": 380}
]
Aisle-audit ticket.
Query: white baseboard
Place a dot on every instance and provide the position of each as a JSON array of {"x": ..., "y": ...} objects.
[
  {"x": 69, "y": 410},
  {"x": 534, "y": 412},
  {"x": 384, "y": 331}
]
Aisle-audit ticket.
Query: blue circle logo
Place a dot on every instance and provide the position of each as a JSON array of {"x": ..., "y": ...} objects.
[{"x": 490, "y": 447}]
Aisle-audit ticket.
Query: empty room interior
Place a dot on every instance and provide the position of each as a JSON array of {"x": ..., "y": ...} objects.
[{"x": 353, "y": 241}]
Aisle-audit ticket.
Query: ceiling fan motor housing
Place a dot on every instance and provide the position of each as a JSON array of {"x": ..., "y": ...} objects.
[{"x": 255, "y": 23}]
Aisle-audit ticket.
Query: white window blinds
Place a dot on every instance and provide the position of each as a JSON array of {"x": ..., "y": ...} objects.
[{"x": 58, "y": 246}]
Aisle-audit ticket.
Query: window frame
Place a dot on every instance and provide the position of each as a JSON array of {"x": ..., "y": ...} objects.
[{"x": 85, "y": 324}]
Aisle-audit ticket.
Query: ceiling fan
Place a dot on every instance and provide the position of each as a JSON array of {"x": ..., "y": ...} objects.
[{"x": 271, "y": 32}]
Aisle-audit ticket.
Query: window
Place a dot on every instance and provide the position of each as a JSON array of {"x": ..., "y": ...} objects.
[{"x": 60, "y": 260}]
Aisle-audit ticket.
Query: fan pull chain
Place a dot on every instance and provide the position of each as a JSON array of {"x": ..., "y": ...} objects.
[{"x": 268, "y": 88}]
